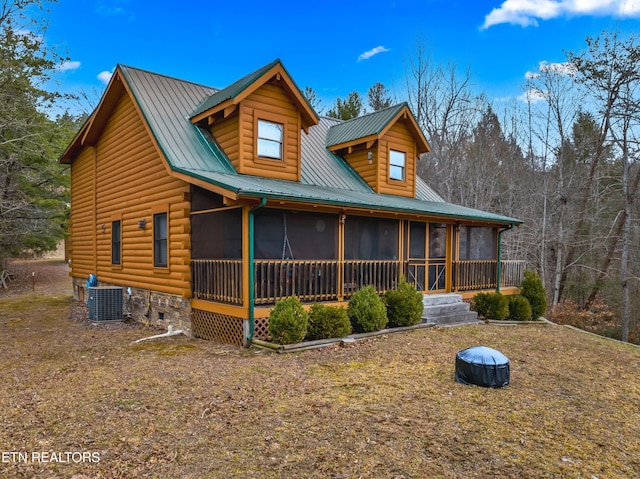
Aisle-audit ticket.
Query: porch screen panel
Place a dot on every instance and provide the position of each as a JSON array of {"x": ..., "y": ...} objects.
[
  {"x": 371, "y": 249},
  {"x": 217, "y": 235},
  {"x": 295, "y": 254},
  {"x": 370, "y": 239},
  {"x": 295, "y": 235},
  {"x": 477, "y": 243}
]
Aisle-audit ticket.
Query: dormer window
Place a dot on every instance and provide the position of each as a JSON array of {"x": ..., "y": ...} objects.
[
  {"x": 270, "y": 139},
  {"x": 397, "y": 162}
]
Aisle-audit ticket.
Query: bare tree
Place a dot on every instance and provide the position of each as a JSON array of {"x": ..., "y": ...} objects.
[
  {"x": 610, "y": 68},
  {"x": 447, "y": 109}
]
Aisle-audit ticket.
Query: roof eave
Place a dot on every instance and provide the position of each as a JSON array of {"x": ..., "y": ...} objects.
[{"x": 371, "y": 207}]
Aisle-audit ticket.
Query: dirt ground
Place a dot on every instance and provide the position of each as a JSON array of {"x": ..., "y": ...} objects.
[
  {"x": 83, "y": 401},
  {"x": 44, "y": 276}
]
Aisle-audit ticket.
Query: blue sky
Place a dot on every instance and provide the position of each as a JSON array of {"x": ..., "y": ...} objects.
[{"x": 333, "y": 46}]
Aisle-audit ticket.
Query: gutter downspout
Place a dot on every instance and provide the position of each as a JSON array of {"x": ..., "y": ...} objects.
[
  {"x": 499, "y": 272},
  {"x": 252, "y": 323}
]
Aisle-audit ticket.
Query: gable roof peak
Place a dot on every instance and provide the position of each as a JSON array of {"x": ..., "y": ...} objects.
[
  {"x": 240, "y": 89},
  {"x": 373, "y": 125}
]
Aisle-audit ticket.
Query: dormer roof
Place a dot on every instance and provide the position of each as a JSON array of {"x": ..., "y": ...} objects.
[
  {"x": 371, "y": 127},
  {"x": 228, "y": 98}
]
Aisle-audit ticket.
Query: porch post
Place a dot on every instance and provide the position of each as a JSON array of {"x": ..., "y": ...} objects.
[
  {"x": 251, "y": 286},
  {"x": 341, "y": 220},
  {"x": 499, "y": 265}
]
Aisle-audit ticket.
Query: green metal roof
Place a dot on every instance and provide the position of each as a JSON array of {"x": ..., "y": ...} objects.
[
  {"x": 234, "y": 89},
  {"x": 257, "y": 187},
  {"x": 167, "y": 104},
  {"x": 362, "y": 126}
]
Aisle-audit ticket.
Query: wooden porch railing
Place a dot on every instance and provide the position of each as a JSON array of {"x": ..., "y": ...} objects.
[
  {"x": 512, "y": 273},
  {"x": 483, "y": 274},
  {"x": 217, "y": 280},
  {"x": 381, "y": 274},
  {"x": 320, "y": 280},
  {"x": 474, "y": 274},
  {"x": 308, "y": 280}
]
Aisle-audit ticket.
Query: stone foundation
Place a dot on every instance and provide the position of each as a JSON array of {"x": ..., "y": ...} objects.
[{"x": 148, "y": 307}]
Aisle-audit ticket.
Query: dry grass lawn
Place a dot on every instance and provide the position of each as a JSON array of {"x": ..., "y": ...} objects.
[{"x": 385, "y": 408}]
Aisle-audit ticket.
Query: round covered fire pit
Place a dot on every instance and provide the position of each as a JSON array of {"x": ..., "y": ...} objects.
[{"x": 482, "y": 366}]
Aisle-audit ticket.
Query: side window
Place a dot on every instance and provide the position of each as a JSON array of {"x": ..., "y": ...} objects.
[
  {"x": 397, "y": 161},
  {"x": 116, "y": 242},
  {"x": 270, "y": 138},
  {"x": 160, "y": 240}
]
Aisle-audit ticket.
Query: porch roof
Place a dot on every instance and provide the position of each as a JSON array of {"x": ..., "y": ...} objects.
[{"x": 246, "y": 186}]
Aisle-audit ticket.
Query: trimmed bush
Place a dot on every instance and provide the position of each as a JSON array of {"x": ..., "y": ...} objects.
[
  {"x": 327, "y": 322},
  {"x": 491, "y": 305},
  {"x": 404, "y": 305},
  {"x": 533, "y": 289},
  {"x": 519, "y": 308},
  {"x": 288, "y": 321},
  {"x": 366, "y": 311}
]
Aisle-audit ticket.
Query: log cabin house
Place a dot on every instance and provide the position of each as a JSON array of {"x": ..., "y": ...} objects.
[{"x": 207, "y": 206}]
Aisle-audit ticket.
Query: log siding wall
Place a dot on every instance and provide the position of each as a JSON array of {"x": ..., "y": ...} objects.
[
  {"x": 397, "y": 138},
  {"x": 271, "y": 103},
  {"x": 126, "y": 177}
]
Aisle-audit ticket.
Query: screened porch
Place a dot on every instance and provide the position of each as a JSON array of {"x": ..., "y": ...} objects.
[{"x": 327, "y": 257}]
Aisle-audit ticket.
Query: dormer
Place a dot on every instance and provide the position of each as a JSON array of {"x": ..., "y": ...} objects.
[
  {"x": 383, "y": 147},
  {"x": 257, "y": 122}
]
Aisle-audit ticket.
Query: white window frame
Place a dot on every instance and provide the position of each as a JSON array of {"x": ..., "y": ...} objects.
[
  {"x": 396, "y": 166},
  {"x": 267, "y": 140}
]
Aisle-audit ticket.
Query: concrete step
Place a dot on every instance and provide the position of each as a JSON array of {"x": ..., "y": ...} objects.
[
  {"x": 441, "y": 298},
  {"x": 468, "y": 317},
  {"x": 443, "y": 309}
]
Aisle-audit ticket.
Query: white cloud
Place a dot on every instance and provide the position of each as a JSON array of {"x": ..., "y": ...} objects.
[
  {"x": 68, "y": 65},
  {"x": 372, "y": 52},
  {"x": 110, "y": 8},
  {"x": 566, "y": 68},
  {"x": 105, "y": 76},
  {"x": 528, "y": 12},
  {"x": 533, "y": 95}
]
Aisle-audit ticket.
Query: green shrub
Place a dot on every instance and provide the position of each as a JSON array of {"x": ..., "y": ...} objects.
[
  {"x": 328, "y": 322},
  {"x": 366, "y": 311},
  {"x": 404, "y": 305},
  {"x": 519, "y": 308},
  {"x": 532, "y": 289},
  {"x": 491, "y": 305},
  {"x": 288, "y": 321}
]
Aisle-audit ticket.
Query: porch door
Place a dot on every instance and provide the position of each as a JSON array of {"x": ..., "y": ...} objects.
[
  {"x": 427, "y": 259},
  {"x": 417, "y": 260},
  {"x": 437, "y": 271}
]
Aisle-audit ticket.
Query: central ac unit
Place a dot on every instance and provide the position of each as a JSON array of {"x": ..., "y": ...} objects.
[{"x": 105, "y": 303}]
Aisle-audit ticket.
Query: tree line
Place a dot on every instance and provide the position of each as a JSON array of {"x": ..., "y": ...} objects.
[{"x": 33, "y": 187}]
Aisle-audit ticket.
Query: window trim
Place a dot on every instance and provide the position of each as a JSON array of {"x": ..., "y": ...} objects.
[
  {"x": 403, "y": 167},
  {"x": 156, "y": 240},
  {"x": 276, "y": 120}
]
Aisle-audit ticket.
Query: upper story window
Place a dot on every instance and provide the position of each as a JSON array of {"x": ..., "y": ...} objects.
[
  {"x": 397, "y": 162},
  {"x": 270, "y": 139}
]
